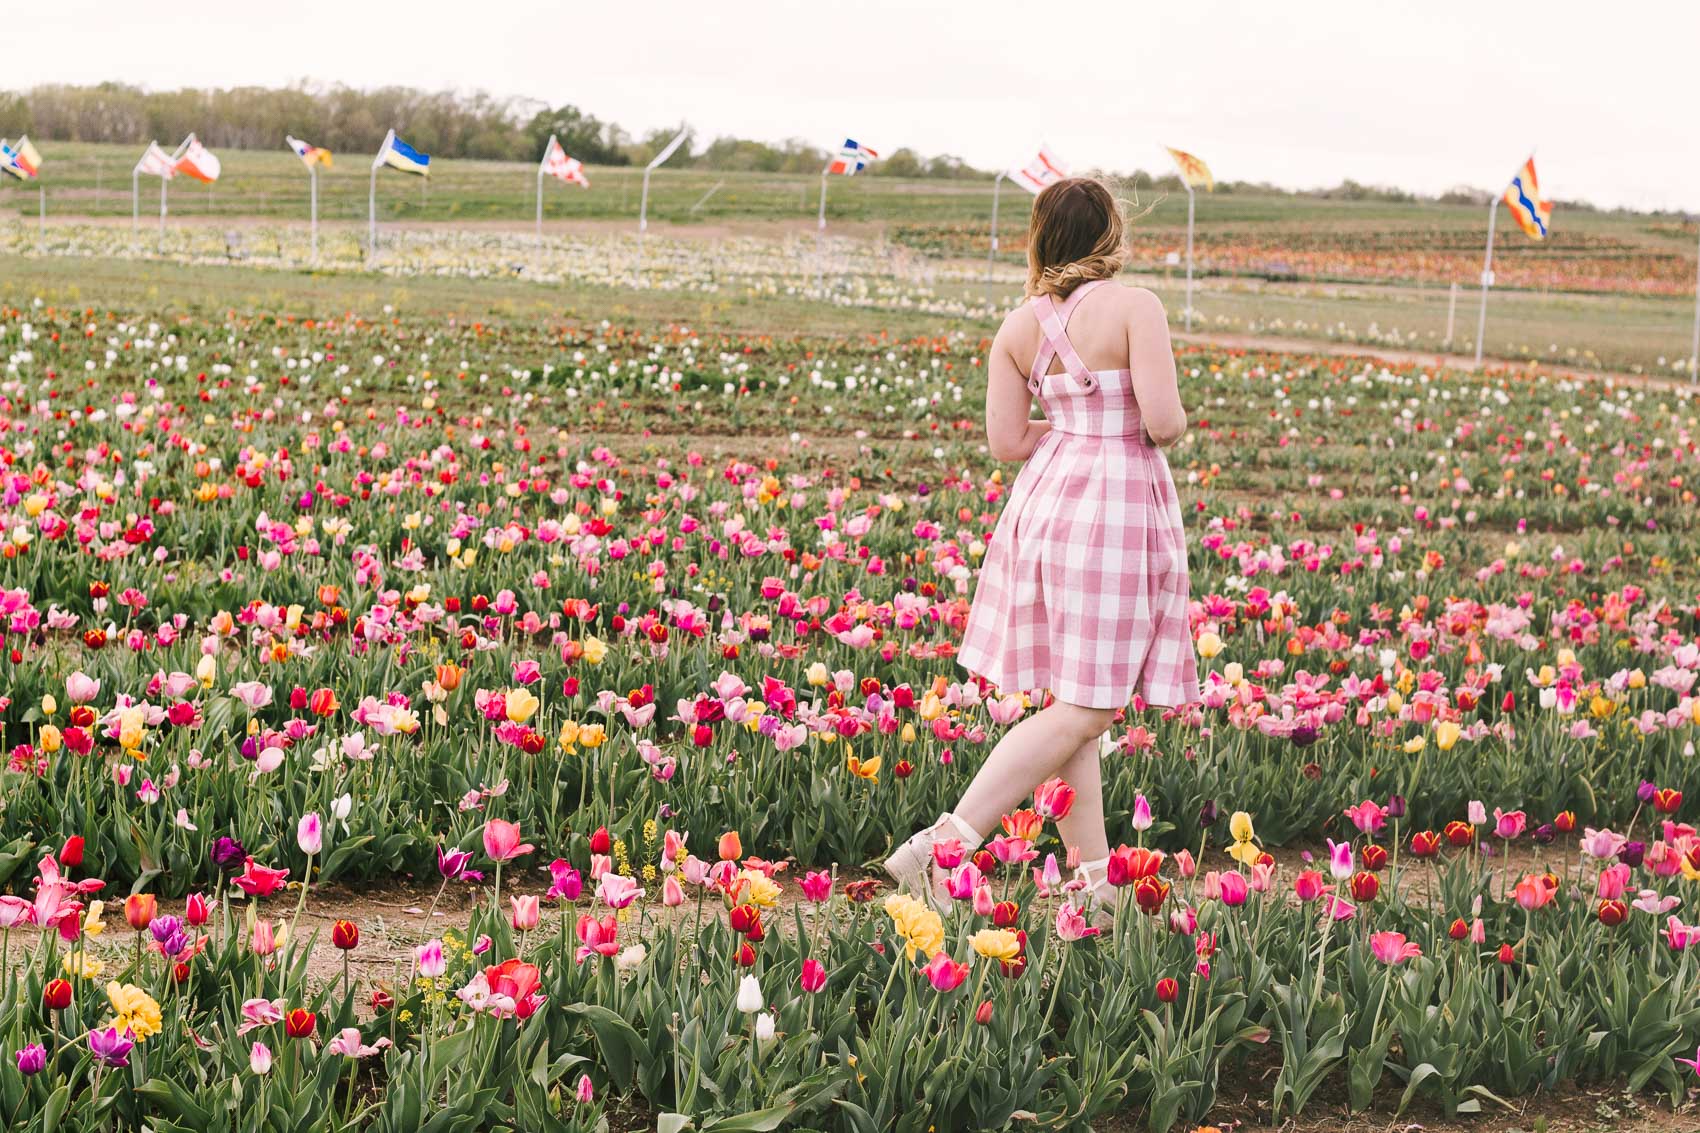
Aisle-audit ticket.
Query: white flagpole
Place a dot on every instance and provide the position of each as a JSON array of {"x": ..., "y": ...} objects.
[
  {"x": 42, "y": 190},
  {"x": 1191, "y": 197},
  {"x": 1487, "y": 281},
  {"x": 135, "y": 205},
  {"x": 1451, "y": 312},
  {"x": 643, "y": 203},
  {"x": 162, "y": 182},
  {"x": 372, "y": 216},
  {"x": 313, "y": 208},
  {"x": 821, "y": 225},
  {"x": 1694, "y": 348},
  {"x": 992, "y": 252}
]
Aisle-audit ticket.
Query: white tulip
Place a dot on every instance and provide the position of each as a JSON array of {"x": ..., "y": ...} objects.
[
  {"x": 749, "y": 995},
  {"x": 764, "y": 1027}
]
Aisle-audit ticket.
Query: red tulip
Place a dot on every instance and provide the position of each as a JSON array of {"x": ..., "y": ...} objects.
[
  {"x": 1168, "y": 990},
  {"x": 300, "y": 1023},
  {"x": 56, "y": 996},
  {"x": 345, "y": 935}
]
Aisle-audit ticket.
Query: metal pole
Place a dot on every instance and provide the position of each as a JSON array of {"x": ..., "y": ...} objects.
[
  {"x": 540, "y": 202},
  {"x": 821, "y": 226},
  {"x": 162, "y": 183},
  {"x": 643, "y": 203},
  {"x": 1190, "y": 198},
  {"x": 372, "y": 216},
  {"x": 313, "y": 209},
  {"x": 1694, "y": 347},
  {"x": 992, "y": 252},
  {"x": 1451, "y": 311},
  {"x": 1487, "y": 280},
  {"x": 135, "y": 206}
]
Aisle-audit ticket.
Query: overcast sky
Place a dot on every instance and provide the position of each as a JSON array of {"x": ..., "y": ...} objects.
[{"x": 1298, "y": 92}]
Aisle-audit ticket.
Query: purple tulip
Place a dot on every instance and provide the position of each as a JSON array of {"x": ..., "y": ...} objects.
[
  {"x": 111, "y": 1047},
  {"x": 452, "y": 863},
  {"x": 32, "y": 1059},
  {"x": 1396, "y": 806},
  {"x": 1632, "y": 854},
  {"x": 1645, "y": 792},
  {"x": 227, "y": 853}
]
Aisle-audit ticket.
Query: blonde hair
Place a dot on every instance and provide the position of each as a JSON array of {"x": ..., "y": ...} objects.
[{"x": 1076, "y": 235}]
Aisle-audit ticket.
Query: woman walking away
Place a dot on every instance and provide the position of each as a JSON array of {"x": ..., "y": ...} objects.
[{"x": 1084, "y": 590}]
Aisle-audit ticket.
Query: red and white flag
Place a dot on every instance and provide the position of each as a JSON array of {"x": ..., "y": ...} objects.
[
  {"x": 156, "y": 162},
  {"x": 1045, "y": 169},
  {"x": 558, "y": 165},
  {"x": 197, "y": 161}
]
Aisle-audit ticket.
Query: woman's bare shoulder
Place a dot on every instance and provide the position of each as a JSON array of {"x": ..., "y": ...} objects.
[{"x": 1019, "y": 327}]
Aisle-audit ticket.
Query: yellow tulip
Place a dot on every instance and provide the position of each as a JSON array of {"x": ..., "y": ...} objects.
[
  {"x": 996, "y": 944},
  {"x": 521, "y": 705},
  {"x": 1209, "y": 644},
  {"x": 1446, "y": 734},
  {"x": 1240, "y": 826}
]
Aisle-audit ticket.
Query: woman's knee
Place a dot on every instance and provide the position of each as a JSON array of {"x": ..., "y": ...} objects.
[{"x": 1082, "y": 722}]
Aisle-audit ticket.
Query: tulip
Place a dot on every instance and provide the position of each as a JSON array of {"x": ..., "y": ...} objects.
[
  {"x": 263, "y": 938},
  {"x": 1168, "y": 990},
  {"x": 501, "y": 841},
  {"x": 1308, "y": 885},
  {"x": 672, "y": 893},
  {"x": 32, "y": 1059},
  {"x": 428, "y": 958},
  {"x": 258, "y": 880},
  {"x": 1509, "y": 824},
  {"x": 817, "y": 886},
  {"x": 1053, "y": 799},
  {"x": 195, "y": 910},
  {"x": 300, "y": 1023},
  {"x": 617, "y": 891},
  {"x": 1142, "y": 819},
  {"x": 586, "y": 1091},
  {"x": 764, "y": 1027},
  {"x": 749, "y": 995},
  {"x": 56, "y": 996},
  {"x": 944, "y": 973},
  {"x": 527, "y": 912},
  {"x": 1612, "y": 913},
  {"x": 260, "y": 1058},
  {"x": 730, "y": 847},
  {"x": 1071, "y": 924},
  {"x": 345, "y": 935},
  {"x": 814, "y": 975},
  {"x": 1392, "y": 948},
  {"x": 309, "y": 834},
  {"x": 139, "y": 910},
  {"x": 1233, "y": 889},
  {"x": 1339, "y": 859},
  {"x": 565, "y": 882},
  {"x": 1365, "y": 886},
  {"x": 983, "y": 1013},
  {"x": 110, "y": 1047}
]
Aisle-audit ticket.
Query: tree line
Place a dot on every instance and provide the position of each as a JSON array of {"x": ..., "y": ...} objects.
[{"x": 444, "y": 123}]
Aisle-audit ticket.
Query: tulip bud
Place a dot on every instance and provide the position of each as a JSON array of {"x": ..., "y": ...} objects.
[
  {"x": 1459, "y": 929},
  {"x": 139, "y": 910},
  {"x": 56, "y": 996},
  {"x": 1507, "y": 955},
  {"x": 195, "y": 910},
  {"x": 749, "y": 995},
  {"x": 730, "y": 847},
  {"x": 1168, "y": 990},
  {"x": 345, "y": 935},
  {"x": 814, "y": 975},
  {"x": 260, "y": 1059},
  {"x": 600, "y": 842},
  {"x": 983, "y": 1013}
]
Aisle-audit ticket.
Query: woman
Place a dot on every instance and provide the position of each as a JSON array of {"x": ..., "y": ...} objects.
[{"x": 1084, "y": 590}]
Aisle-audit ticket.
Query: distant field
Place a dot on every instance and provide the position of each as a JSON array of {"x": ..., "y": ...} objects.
[{"x": 1267, "y": 235}]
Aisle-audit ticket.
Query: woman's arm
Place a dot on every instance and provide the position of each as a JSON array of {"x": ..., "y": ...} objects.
[
  {"x": 1009, "y": 433},
  {"x": 1153, "y": 362}
]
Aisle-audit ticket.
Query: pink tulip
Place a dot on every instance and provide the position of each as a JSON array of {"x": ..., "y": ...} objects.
[
  {"x": 1340, "y": 859},
  {"x": 1308, "y": 885},
  {"x": 1053, "y": 799},
  {"x": 527, "y": 912},
  {"x": 260, "y": 1058},
  {"x": 1601, "y": 844},
  {"x": 617, "y": 891},
  {"x": 1367, "y": 816},
  {"x": 1614, "y": 879},
  {"x": 814, "y": 975},
  {"x": 1233, "y": 889},
  {"x": 565, "y": 882},
  {"x": 1071, "y": 925},
  {"x": 1141, "y": 813},
  {"x": 944, "y": 973},
  {"x": 501, "y": 841},
  {"x": 586, "y": 1092},
  {"x": 817, "y": 886},
  {"x": 428, "y": 958},
  {"x": 1508, "y": 824},
  {"x": 983, "y": 901},
  {"x": 672, "y": 893},
  {"x": 309, "y": 834},
  {"x": 1184, "y": 864},
  {"x": 1392, "y": 947},
  {"x": 259, "y": 881}
]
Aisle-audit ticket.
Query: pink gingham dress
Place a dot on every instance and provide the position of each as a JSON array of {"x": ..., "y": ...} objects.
[{"x": 1084, "y": 588}]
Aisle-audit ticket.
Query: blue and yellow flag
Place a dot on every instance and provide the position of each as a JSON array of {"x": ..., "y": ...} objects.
[
  {"x": 1529, "y": 209},
  {"x": 397, "y": 154}
]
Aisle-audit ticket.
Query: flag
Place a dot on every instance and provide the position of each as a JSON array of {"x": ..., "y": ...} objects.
[
  {"x": 156, "y": 162},
  {"x": 397, "y": 154},
  {"x": 1193, "y": 171},
  {"x": 197, "y": 161},
  {"x": 557, "y": 164},
  {"x": 851, "y": 159},
  {"x": 1528, "y": 208},
  {"x": 20, "y": 159},
  {"x": 309, "y": 155},
  {"x": 1045, "y": 169}
]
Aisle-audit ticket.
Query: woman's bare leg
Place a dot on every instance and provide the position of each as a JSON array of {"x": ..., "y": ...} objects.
[
  {"x": 1083, "y": 829},
  {"x": 1031, "y": 752}
]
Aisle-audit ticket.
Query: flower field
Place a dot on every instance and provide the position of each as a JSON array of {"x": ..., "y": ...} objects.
[{"x": 634, "y": 647}]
